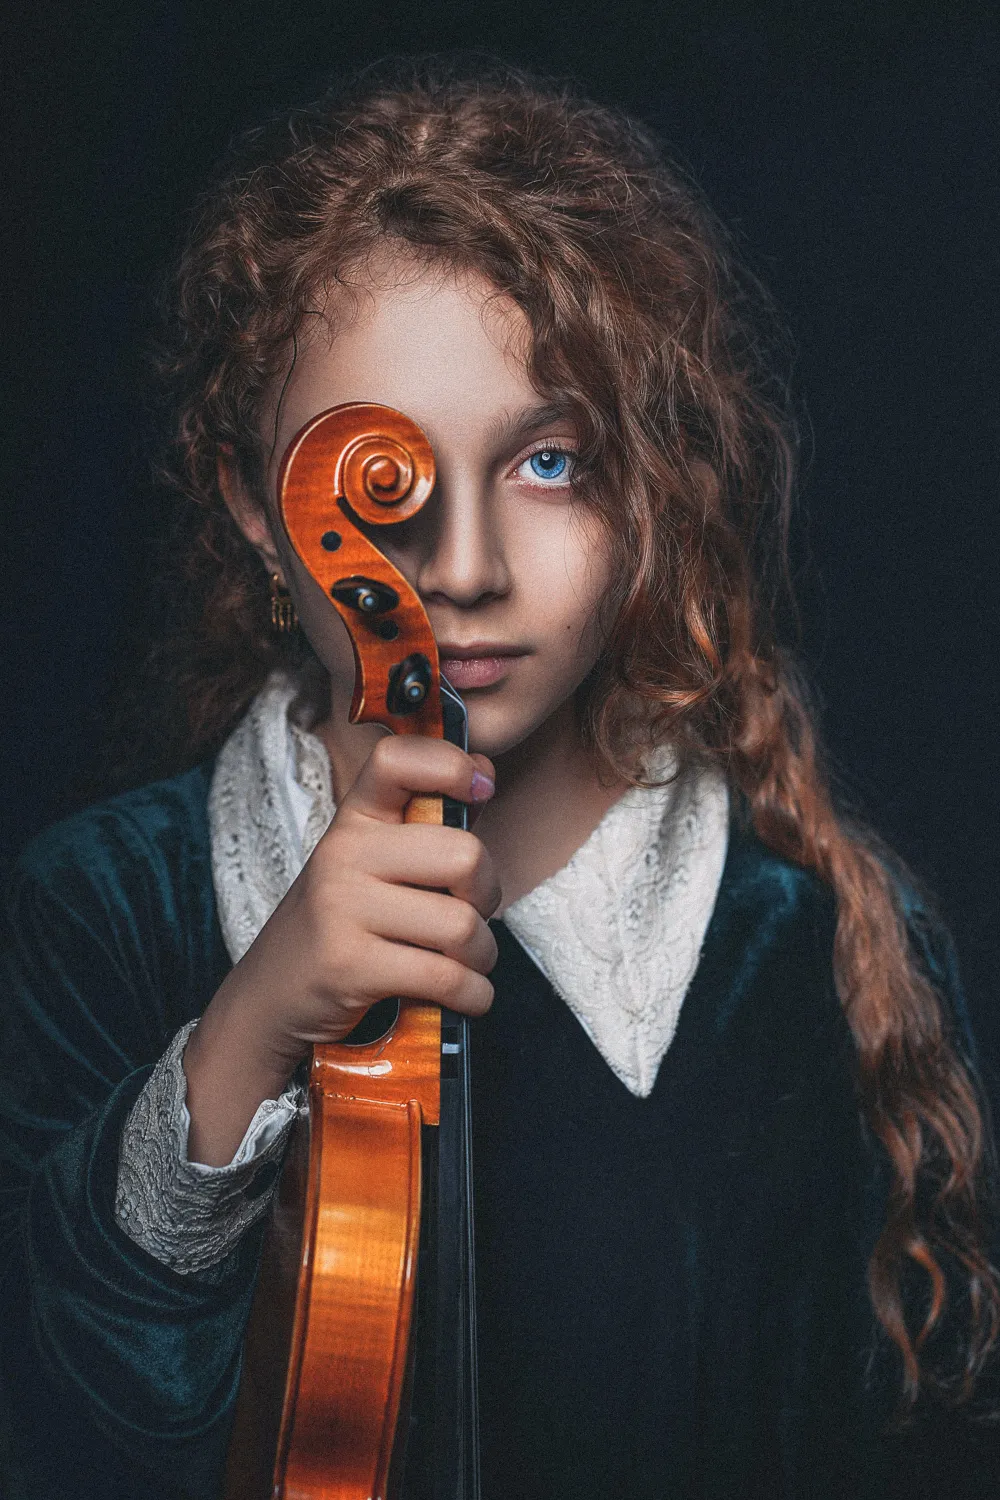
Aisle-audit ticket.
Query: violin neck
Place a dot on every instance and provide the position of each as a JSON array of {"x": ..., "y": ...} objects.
[{"x": 456, "y": 1418}]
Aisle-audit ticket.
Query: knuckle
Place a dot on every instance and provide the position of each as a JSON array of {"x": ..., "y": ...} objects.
[
  {"x": 482, "y": 965},
  {"x": 461, "y": 761},
  {"x": 354, "y": 1006},
  {"x": 447, "y": 762},
  {"x": 336, "y": 845},
  {"x": 329, "y": 891},
  {"x": 465, "y": 925},
  {"x": 451, "y": 983},
  {"x": 469, "y": 854},
  {"x": 352, "y": 851},
  {"x": 347, "y": 958},
  {"x": 384, "y": 756}
]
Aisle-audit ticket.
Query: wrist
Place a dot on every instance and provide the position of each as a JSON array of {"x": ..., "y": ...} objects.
[
  {"x": 236, "y": 1032},
  {"x": 229, "y": 1075}
]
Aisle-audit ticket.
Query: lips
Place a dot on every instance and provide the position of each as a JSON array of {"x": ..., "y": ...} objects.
[{"x": 477, "y": 666}]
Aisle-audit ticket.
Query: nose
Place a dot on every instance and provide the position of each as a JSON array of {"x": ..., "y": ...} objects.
[{"x": 463, "y": 560}]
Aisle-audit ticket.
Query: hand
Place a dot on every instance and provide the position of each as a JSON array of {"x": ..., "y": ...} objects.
[{"x": 381, "y": 908}]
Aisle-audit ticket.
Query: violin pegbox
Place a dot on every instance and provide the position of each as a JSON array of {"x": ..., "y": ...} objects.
[{"x": 368, "y": 464}]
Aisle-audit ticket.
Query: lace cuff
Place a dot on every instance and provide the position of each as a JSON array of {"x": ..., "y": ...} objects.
[{"x": 186, "y": 1214}]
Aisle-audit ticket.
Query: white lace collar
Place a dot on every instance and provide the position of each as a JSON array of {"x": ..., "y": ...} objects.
[{"x": 617, "y": 932}]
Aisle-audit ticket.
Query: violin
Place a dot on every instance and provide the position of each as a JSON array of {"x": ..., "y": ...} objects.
[{"x": 381, "y": 1206}]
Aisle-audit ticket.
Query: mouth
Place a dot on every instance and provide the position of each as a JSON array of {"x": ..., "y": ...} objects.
[{"x": 477, "y": 666}]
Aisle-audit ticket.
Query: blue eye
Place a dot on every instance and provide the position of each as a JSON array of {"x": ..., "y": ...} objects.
[{"x": 550, "y": 463}]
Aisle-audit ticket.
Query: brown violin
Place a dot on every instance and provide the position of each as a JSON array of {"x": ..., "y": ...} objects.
[{"x": 380, "y": 1392}]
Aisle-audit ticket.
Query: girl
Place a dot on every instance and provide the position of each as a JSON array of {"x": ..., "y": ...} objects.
[{"x": 729, "y": 1155}]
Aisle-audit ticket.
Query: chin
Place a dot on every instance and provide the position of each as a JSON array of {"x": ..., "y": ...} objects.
[{"x": 496, "y": 729}]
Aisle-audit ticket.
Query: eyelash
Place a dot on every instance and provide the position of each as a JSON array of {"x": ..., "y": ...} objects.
[{"x": 561, "y": 481}]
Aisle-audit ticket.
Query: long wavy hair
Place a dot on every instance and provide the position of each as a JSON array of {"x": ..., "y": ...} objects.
[{"x": 646, "y": 325}]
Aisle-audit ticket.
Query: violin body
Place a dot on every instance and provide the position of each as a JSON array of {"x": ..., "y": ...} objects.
[
  {"x": 372, "y": 1098},
  {"x": 361, "y": 1231}
]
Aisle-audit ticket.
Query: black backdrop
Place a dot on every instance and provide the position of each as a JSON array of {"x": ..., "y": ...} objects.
[{"x": 855, "y": 148}]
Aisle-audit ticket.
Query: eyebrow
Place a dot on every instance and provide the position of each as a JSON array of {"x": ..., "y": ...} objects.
[{"x": 517, "y": 427}]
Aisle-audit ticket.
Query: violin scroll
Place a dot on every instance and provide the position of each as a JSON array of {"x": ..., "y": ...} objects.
[
  {"x": 366, "y": 465},
  {"x": 385, "y": 478}
]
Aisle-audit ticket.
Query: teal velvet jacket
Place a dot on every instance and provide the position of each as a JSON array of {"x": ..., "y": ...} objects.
[{"x": 723, "y": 1225}]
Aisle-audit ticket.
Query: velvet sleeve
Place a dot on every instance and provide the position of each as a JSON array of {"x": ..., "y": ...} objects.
[{"x": 120, "y": 1374}]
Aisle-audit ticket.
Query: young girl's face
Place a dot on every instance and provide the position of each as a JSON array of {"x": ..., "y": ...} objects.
[{"x": 510, "y": 564}]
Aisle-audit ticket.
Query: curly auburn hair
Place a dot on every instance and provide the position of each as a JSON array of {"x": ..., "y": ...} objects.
[{"x": 646, "y": 326}]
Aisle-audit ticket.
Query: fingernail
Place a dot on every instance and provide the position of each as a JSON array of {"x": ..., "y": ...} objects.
[{"x": 482, "y": 788}]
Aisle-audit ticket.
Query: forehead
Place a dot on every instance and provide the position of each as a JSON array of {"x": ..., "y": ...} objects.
[{"x": 440, "y": 345}]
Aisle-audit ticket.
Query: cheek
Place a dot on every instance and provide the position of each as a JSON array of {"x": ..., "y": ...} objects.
[
  {"x": 569, "y": 572},
  {"x": 561, "y": 578}
]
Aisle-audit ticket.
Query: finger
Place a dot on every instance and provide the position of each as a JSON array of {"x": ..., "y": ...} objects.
[
  {"x": 420, "y": 974},
  {"x": 429, "y": 919},
  {"x": 446, "y": 859},
  {"x": 402, "y": 766}
]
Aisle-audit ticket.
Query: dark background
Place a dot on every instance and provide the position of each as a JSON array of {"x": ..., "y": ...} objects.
[{"x": 854, "y": 147}]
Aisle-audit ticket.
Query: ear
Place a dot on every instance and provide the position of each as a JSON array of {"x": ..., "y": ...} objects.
[{"x": 248, "y": 513}]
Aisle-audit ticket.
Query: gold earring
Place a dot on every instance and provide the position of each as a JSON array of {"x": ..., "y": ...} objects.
[{"x": 283, "y": 616}]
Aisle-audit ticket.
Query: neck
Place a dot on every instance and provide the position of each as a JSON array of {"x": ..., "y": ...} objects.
[
  {"x": 348, "y": 745},
  {"x": 548, "y": 802}
]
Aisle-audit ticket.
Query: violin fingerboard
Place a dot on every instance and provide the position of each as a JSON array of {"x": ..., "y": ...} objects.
[{"x": 456, "y": 1407}]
